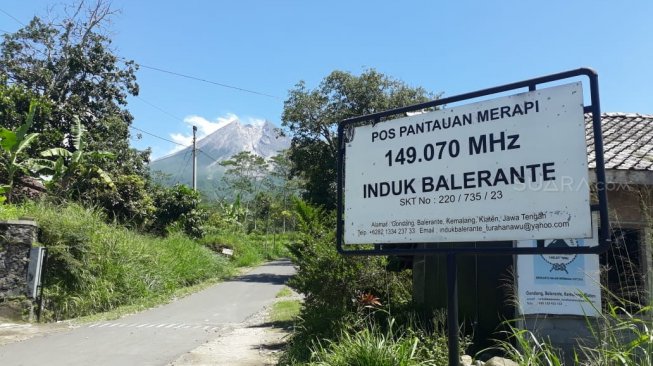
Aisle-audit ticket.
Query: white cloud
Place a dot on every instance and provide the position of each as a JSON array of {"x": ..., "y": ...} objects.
[
  {"x": 182, "y": 140},
  {"x": 206, "y": 127}
]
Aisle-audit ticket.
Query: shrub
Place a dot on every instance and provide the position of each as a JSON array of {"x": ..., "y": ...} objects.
[
  {"x": 369, "y": 347},
  {"x": 386, "y": 342},
  {"x": 129, "y": 203},
  {"x": 335, "y": 287},
  {"x": 178, "y": 207}
]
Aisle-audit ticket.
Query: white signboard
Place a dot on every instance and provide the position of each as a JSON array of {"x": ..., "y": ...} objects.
[
  {"x": 34, "y": 270},
  {"x": 559, "y": 283},
  {"x": 510, "y": 168}
]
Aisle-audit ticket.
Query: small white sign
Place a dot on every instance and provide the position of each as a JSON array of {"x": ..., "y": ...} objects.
[
  {"x": 34, "y": 270},
  {"x": 510, "y": 168},
  {"x": 559, "y": 283}
]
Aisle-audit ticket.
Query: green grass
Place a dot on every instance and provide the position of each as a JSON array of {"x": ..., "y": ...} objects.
[
  {"x": 370, "y": 346},
  {"x": 95, "y": 267},
  {"x": 10, "y": 212},
  {"x": 145, "y": 303},
  {"x": 285, "y": 311},
  {"x": 252, "y": 249},
  {"x": 285, "y": 292},
  {"x": 619, "y": 338}
]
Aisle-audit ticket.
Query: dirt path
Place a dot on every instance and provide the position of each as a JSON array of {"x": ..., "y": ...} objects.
[
  {"x": 254, "y": 342},
  {"x": 11, "y": 332}
]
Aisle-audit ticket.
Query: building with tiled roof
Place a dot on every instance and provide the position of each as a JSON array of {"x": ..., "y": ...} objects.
[
  {"x": 627, "y": 147},
  {"x": 627, "y": 266}
]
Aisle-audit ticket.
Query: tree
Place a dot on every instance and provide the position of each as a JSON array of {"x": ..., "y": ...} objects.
[
  {"x": 70, "y": 63},
  {"x": 68, "y": 167},
  {"x": 129, "y": 203},
  {"x": 13, "y": 145},
  {"x": 283, "y": 185},
  {"x": 244, "y": 175},
  {"x": 312, "y": 116}
]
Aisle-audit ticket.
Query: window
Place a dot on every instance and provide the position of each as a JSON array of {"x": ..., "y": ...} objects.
[{"x": 622, "y": 268}]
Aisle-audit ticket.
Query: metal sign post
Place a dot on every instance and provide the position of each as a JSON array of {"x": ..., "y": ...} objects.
[{"x": 508, "y": 168}]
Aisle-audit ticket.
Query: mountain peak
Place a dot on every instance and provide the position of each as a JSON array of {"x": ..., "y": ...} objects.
[{"x": 232, "y": 138}]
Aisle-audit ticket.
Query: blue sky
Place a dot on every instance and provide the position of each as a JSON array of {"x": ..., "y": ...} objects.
[{"x": 450, "y": 47}]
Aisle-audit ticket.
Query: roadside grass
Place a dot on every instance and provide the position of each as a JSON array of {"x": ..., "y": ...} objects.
[
  {"x": 619, "y": 338},
  {"x": 379, "y": 342},
  {"x": 367, "y": 347},
  {"x": 285, "y": 292},
  {"x": 95, "y": 267},
  {"x": 249, "y": 249},
  {"x": 285, "y": 311},
  {"x": 145, "y": 304},
  {"x": 10, "y": 212}
]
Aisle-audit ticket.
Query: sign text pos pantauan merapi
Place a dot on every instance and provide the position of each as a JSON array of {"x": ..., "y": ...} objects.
[{"x": 504, "y": 158}]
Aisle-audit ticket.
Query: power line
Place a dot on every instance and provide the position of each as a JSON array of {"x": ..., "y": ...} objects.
[
  {"x": 145, "y": 101},
  {"x": 163, "y": 138},
  {"x": 160, "y": 109},
  {"x": 13, "y": 17},
  {"x": 172, "y": 72},
  {"x": 207, "y": 155},
  {"x": 174, "y": 142},
  {"x": 209, "y": 81},
  {"x": 159, "y": 137}
]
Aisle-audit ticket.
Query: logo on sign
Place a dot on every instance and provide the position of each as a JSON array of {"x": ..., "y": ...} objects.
[{"x": 558, "y": 262}]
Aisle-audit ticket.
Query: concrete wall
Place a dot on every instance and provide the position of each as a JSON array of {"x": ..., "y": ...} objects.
[{"x": 565, "y": 332}]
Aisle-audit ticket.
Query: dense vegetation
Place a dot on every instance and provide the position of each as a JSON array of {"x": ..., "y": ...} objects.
[
  {"x": 115, "y": 236},
  {"x": 94, "y": 266},
  {"x": 354, "y": 307}
]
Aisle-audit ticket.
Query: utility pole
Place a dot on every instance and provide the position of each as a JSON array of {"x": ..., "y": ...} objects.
[{"x": 194, "y": 160}]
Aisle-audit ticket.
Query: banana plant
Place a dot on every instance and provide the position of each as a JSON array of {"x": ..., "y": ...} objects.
[
  {"x": 13, "y": 143},
  {"x": 66, "y": 163}
]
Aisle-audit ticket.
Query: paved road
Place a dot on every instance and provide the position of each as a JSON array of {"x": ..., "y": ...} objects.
[{"x": 157, "y": 336}]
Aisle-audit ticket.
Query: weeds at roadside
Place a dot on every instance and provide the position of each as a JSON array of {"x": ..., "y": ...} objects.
[
  {"x": 618, "y": 338},
  {"x": 371, "y": 342},
  {"x": 284, "y": 313}
]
